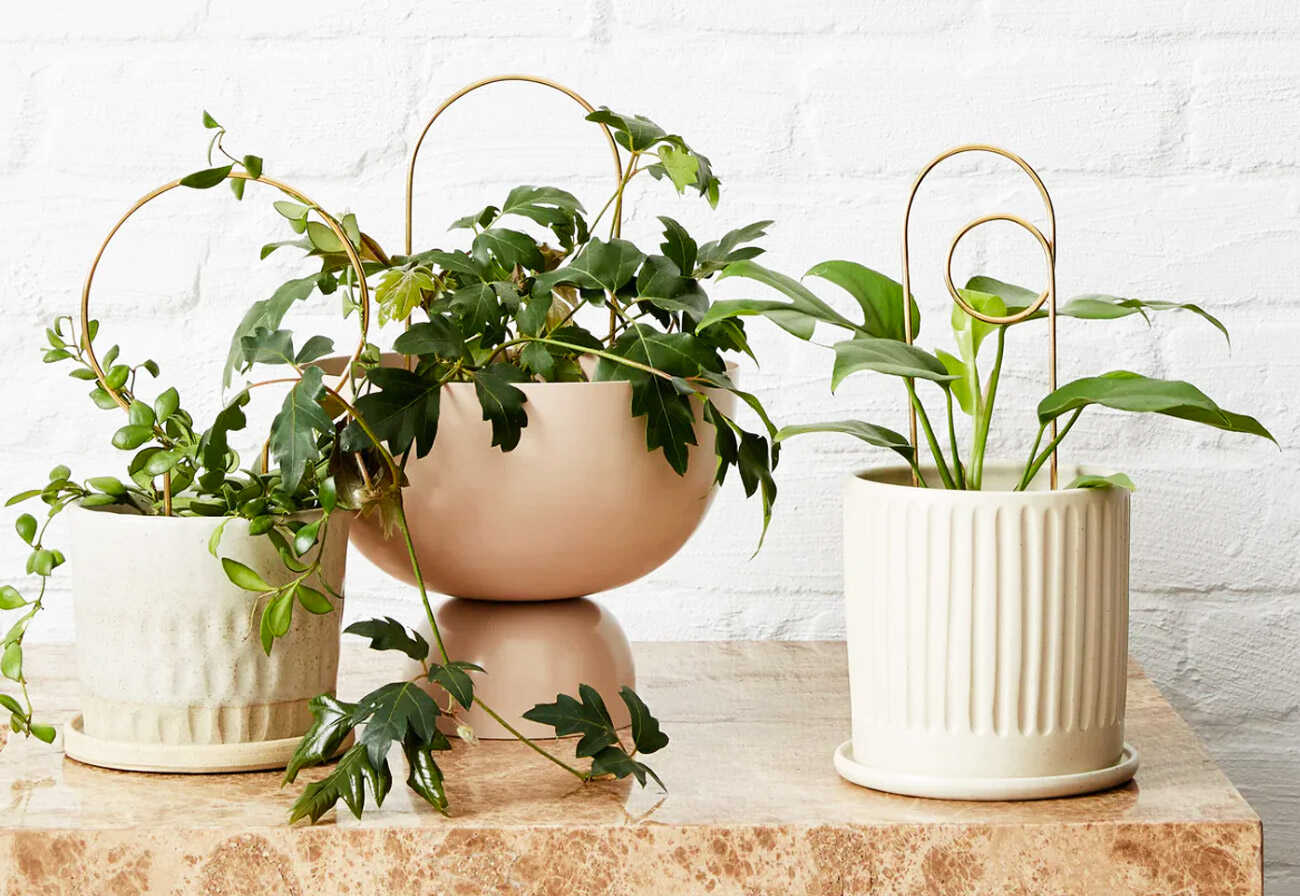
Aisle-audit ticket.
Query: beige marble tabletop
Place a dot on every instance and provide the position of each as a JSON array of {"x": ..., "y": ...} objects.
[{"x": 753, "y": 807}]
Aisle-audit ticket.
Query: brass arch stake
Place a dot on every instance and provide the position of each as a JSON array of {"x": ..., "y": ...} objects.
[
  {"x": 497, "y": 79},
  {"x": 354, "y": 259},
  {"x": 1048, "y": 295}
]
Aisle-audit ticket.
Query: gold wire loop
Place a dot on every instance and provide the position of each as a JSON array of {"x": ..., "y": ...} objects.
[
  {"x": 496, "y": 79},
  {"x": 956, "y": 293},
  {"x": 1046, "y": 297},
  {"x": 354, "y": 259}
]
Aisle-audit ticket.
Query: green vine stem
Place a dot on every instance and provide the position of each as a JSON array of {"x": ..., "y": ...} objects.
[
  {"x": 984, "y": 420},
  {"x": 1036, "y": 463},
  {"x": 935, "y": 450}
]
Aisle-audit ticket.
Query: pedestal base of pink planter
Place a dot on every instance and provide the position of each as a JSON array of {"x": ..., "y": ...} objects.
[{"x": 532, "y": 651}]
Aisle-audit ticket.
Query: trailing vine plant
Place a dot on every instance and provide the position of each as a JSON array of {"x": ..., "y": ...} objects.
[{"x": 877, "y": 343}]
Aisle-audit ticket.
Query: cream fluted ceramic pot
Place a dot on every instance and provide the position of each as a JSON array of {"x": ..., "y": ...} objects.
[
  {"x": 170, "y": 662},
  {"x": 987, "y": 636},
  {"x": 579, "y": 506}
]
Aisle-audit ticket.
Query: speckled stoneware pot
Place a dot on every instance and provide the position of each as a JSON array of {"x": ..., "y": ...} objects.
[{"x": 168, "y": 650}]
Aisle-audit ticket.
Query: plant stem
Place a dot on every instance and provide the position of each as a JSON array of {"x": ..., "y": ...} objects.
[
  {"x": 952, "y": 441},
  {"x": 984, "y": 415},
  {"x": 935, "y": 450},
  {"x": 518, "y": 734},
  {"x": 1037, "y": 464}
]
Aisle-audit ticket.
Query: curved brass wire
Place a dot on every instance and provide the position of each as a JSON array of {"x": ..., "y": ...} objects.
[
  {"x": 353, "y": 259},
  {"x": 496, "y": 79},
  {"x": 1047, "y": 296}
]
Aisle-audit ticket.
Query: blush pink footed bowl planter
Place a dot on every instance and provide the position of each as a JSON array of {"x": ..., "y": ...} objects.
[
  {"x": 171, "y": 668},
  {"x": 578, "y": 507},
  {"x": 987, "y": 636}
]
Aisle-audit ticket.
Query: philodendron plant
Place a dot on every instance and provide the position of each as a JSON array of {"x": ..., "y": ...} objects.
[
  {"x": 878, "y": 343},
  {"x": 570, "y": 306}
]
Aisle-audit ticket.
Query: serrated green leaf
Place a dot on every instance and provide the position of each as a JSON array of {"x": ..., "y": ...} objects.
[
  {"x": 389, "y": 634},
  {"x": 403, "y": 410},
  {"x": 425, "y": 778},
  {"x": 439, "y": 336},
  {"x": 614, "y": 761},
  {"x": 502, "y": 402},
  {"x": 510, "y": 248},
  {"x": 332, "y": 722},
  {"x": 646, "y": 736},
  {"x": 455, "y": 681},
  {"x": 348, "y": 781},
  {"x": 633, "y": 132},
  {"x": 392, "y": 713},
  {"x": 587, "y": 717},
  {"x": 678, "y": 245},
  {"x": 293, "y": 431}
]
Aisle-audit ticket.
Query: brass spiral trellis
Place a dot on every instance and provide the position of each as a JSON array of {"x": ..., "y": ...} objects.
[
  {"x": 1048, "y": 295},
  {"x": 353, "y": 259},
  {"x": 496, "y": 79}
]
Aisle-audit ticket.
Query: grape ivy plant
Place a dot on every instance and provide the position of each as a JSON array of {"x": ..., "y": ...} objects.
[
  {"x": 508, "y": 310},
  {"x": 877, "y": 343}
]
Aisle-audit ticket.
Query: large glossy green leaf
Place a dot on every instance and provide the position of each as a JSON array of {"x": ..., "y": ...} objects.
[
  {"x": 880, "y": 297},
  {"x": 971, "y": 331},
  {"x": 732, "y": 247},
  {"x": 600, "y": 265},
  {"x": 391, "y": 713},
  {"x": 803, "y": 302},
  {"x": 502, "y": 402},
  {"x": 1127, "y": 391},
  {"x": 963, "y": 388},
  {"x": 264, "y": 346},
  {"x": 510, "y": 248},
  {"x": 402, "y": 410},
  {"x": 670, "y": 421},
  {"x": 633, "y": 132},
  {"x": 425, "y": 778},
  {"x": 661, "y": 284},
  {"x": 646, "y": 736},
  {"x": 1091, "y": 306},
  {"x": 294, "y": 429},
  {"x": 678, "y": 354},
  {"x": 267, "y": 314},
  {"x": 331, "y": 726},
  {"x": 886, "y": 356},
  {"x": 587, "y": 717},
  {"x": 870, "y": 433},
  {"x": 439, "y": 336},
  {"x": 347, "y": 782},
  {"x": 678, "y": 245}
]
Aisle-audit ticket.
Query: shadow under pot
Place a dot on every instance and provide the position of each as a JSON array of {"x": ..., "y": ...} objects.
[
  {"x": 170, "y": 663},
  {"x": 520, "y": 538},
  {"x": 987, "y": 637}
]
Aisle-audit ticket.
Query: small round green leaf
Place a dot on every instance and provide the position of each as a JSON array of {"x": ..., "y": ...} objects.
[
  {"x": 11, "y": 664},
  {"x": 10, "y": 704},
  {"x": 329, "y": 495},
  {"x": 280, "y": 613},
  {"x": 117, "y": 376},
  {"x": 10, "y": 599},
  {"x": 109, "y": 485},
  {"x": 167, "y": 404},
  {"x": 98, "y": 500},
  {"x": 43, "y": 732},
  {"x": 209, "y": 177},
  {"x": 41, "y": 562},
  {"x": 160, "y": 463},
  {"x": 59, "y": 472},
  {"x": 132, "y": 436},
  {"x": 260, "y": 525},
  {"x": 140, "y": 414},
  {"x": 26, "y": 527}
]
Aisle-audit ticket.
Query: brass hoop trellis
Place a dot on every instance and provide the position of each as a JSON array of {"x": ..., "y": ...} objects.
[
  {"x": 354, "y": 259},
  {"x": 1048, "y": 295},
  {"x": 496, "y": 79}
]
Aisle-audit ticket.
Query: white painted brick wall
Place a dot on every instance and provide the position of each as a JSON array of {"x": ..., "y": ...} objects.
[{"x": 1167, "y": 131}]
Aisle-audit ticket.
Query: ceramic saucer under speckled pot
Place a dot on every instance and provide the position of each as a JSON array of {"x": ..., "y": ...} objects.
[
  {"x": 985, "y": 789},
  {"x": 179, "y": 758}
]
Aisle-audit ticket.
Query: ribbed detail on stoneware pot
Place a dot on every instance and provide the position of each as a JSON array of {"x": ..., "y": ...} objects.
[
  {"x": 987, "y": 631},
  {"x": 168, "y": 649}
]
